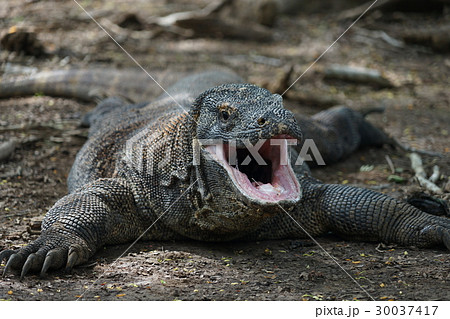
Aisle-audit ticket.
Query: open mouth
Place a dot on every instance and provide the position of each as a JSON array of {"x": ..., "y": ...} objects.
[{"x": 269, "y": 178}]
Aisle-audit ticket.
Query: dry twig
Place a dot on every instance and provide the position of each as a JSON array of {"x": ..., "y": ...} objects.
[
  {"x": 391, "y": 165},
  {"x": 416, "y": 165}
]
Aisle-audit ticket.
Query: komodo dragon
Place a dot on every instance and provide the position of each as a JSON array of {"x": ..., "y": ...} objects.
[{"x": 165, "y": 170}]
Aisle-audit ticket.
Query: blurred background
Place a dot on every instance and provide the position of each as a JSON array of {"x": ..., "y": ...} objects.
[{"x": 395, "y": 57}]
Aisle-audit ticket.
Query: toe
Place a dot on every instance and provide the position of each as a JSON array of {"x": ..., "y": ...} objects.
[
  {"x": 72, "y": 259},
  {"x": 54, "y": 259},
  {"x": 33, "y": 262},
  {"x": 5, "y": 254},
  {"x": 15, "y": 261}
]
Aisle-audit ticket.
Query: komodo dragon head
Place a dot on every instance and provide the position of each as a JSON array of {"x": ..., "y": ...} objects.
[{"x": 245, "y": 181}]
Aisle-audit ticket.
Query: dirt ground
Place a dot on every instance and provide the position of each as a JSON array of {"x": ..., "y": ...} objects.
[{"x": 417, "y": 113}]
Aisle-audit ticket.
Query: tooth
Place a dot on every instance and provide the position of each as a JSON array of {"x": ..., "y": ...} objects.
[{"x": 220, "y": 152}]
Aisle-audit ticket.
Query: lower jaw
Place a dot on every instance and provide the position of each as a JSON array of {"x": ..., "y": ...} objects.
[{"x": 267, "y": 193}]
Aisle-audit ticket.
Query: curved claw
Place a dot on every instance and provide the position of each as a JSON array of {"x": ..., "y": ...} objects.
[
  {"x": 5, "y": 254},
  {"x": 47, "y": 263},
  {"x": 33, "y": 262},
  {"x": 27, "y": 266},
  {"x": 72, "y": 259},
  {"x": 55, "y": 259},
  {"x": 14, "y": 261}
]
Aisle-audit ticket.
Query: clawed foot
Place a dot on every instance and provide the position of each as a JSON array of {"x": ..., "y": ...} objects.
[
  {"x": 47, "y": 252},
  {"x": 429, "y": 204},
  {"x": 438, "y": 230},
  {"x": 437, "y": 234}
]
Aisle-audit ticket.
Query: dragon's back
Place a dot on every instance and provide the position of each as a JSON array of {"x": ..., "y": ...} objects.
[{"x": 114, "y": 123}]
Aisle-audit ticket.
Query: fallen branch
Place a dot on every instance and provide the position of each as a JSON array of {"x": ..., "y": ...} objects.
[
  {"x": 315, "y": 98},
  {"x": 437, "y": 38},
  {"x": 436, "y": 174},
  {"x": 211, "y": 26},
  {"x": 355, "y": 12},
  {"x": 207, "y": 22},
  {"x": 63, "y": 125},
  {"x": 124, "y": 33},
  {"x": 368, "y": 36},
  {"x": 357, "y": 74},
  {"x": 416, "y": 165},
  {"x": 174, "y": 18}
]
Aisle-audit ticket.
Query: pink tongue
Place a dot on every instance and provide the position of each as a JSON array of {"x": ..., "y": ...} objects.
[{"x": 268, "y": 188}]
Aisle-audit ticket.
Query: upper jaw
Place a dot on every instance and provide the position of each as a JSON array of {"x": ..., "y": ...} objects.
[{"x": 269, "y": 184}]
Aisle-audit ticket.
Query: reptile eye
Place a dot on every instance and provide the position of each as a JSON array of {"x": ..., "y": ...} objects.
[
  {"x": 225, "y": 115},
  {"x": 225, "y": 111}
]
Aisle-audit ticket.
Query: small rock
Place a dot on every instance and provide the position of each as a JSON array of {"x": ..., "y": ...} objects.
[
  {"x": 7, "y": 148},
  {"x": 34, "y": 227}
]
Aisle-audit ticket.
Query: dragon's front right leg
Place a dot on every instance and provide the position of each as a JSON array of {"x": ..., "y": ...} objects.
[{"x": 103, "y": 212}]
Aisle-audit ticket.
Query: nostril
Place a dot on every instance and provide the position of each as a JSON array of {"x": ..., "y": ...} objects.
[{"x": 262, "y": 121}]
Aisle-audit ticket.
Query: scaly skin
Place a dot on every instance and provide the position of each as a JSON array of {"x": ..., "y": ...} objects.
[{"x": 142, "y": 171}]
